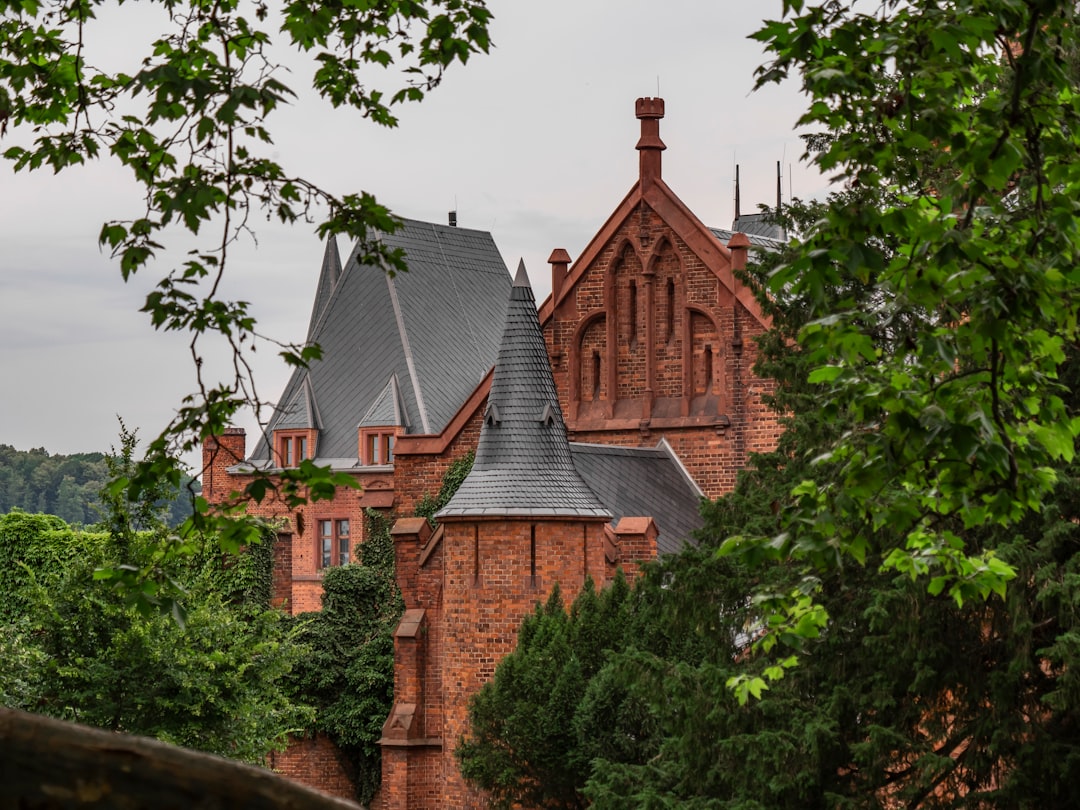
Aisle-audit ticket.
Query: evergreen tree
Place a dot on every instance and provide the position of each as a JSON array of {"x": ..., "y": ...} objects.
[{"x": 527, "y": 744}]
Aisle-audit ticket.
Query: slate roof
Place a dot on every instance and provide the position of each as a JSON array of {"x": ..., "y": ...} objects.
[
  {"x": 523, "y": 465},
  {"x": 759, "y": 228},
  {"x": 435, "y": 329},
  {"x": 387, "y": 409},
  {"x": 643, "y": 482},
  {"x": 759, "y": 224},
  {"x": 756, "y": 241},
  {"x": 300, "y": 411}
]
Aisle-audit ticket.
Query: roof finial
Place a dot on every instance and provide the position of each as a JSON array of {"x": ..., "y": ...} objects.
[
  {"x": 737, "y": 193},
  {"x": 649, "y": 145}
]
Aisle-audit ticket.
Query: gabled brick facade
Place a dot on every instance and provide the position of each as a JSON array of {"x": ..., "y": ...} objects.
[
  {"x": 649, "y": 338},
  {"x": 651, "y": 334}
]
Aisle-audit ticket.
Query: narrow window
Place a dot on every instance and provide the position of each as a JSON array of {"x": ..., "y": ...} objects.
[
  {"x": 632, "y": 325},
  {"x": 326, "y": 543},
  {"x": 291, "y": 450},
  {"x": 670, "y": 308},
  {"x": 389, "y": 448},
  {"x": 532, "y": 554},
  {"x": 373, "y": 448},
  {"x": 596, "y": 375},
  {"x": 335, "y": 542},
  {"x": 343, "y": 542},
  {"x": 708, "y": 363}
]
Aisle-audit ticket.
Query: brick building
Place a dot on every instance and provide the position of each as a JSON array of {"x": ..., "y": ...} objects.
[{"x": 607, "y": 414}]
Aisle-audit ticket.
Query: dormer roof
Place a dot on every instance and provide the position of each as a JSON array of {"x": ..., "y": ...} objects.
[
  {"x": 301, "y": 411},
  {"x": 387, "y": 409}
]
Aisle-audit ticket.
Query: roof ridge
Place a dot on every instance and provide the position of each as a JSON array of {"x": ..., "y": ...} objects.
[{"x": 410, "y": 361}]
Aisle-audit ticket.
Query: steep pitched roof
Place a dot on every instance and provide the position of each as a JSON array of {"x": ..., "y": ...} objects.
[
  {"x": 643, "y": 482},
  {"x": 523, "y": 465},
  {"x": 435, "y": 329}
]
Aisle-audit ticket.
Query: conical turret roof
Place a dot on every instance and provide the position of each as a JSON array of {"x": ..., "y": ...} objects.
[{"x": 523, "y": 464}]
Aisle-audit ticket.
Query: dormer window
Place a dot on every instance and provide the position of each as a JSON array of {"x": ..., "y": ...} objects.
[
  {"x": 377, "y": 446},
  {"x": 291, "y": 448}
]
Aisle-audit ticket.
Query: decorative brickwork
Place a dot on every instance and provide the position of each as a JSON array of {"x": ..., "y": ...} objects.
[{"x": 694, "y": 387}]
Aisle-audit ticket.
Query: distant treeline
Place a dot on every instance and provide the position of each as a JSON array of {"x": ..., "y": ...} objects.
[{"x": 66, "y": 486}]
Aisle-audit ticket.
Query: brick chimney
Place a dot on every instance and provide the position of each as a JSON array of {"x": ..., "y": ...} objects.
[
  {"x": 649, "y": 111},
  {"x": 218, "y": 454},
  {"x": 739, "y": 244},
  {"x": 560, "y": 262}
]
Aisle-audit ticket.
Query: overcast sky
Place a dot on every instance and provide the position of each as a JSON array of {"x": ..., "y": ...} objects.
[{"x": 534, "y": 142}]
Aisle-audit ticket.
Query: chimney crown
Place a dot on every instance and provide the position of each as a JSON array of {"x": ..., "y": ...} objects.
[{"x": 649, "y": 108}]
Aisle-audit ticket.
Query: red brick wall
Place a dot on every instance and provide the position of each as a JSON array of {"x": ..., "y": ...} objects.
[
  {"x": 301, "y": 589},
  {"x": 281, "y": 578},
  {"x": 315, "y": 762},
  {"x": 488, "y": 589},
  {"x": 418, "y": 472},
  {"x": 218, "y": 454}
]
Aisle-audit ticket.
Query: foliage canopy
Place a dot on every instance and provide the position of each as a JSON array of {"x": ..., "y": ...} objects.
[
  {"x": 962, "y": 121},
  {"x": 78, "y": 650}
]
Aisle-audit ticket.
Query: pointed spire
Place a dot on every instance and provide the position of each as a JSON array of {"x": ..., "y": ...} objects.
[
  {"x": 522, "y": 277},
  {"x": 523, "y": 464},
  {"x": 328, "y": 279}
]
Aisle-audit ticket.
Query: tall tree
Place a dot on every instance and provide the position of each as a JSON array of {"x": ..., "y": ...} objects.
[
  {"x": 903, "y": 697},
  {"x": 964, "y": 425}
]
